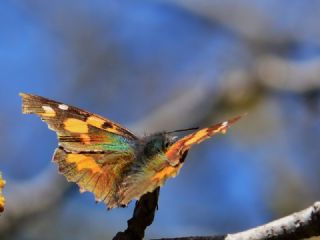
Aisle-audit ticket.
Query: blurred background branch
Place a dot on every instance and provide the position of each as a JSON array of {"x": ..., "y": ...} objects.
[{"x": 27, "y": 198}]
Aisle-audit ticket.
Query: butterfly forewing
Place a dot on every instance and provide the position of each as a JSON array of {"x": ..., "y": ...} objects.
[
  {"x": 177, "y": 150},
  {"x": 79, "y": 130}
]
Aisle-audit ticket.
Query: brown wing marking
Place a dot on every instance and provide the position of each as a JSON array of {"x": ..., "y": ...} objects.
[{"x": 47, "y": 108}]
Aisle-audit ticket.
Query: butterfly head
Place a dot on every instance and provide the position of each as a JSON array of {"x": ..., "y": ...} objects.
[{"x": 158, "y": 143}]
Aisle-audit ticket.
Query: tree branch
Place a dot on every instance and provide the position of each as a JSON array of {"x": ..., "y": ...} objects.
[
  {"x": 300, "y": 225},
  {"x": 143, "y": 216},
  {"x": 286, "y": 74}
]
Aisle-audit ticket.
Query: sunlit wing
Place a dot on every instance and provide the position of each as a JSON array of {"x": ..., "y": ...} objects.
[
  {"x": 79, "y": 130},
  {"x": 177, "y": 150},
  {"x": 94, "y": 152},
  {"x": 98, "y": 173},
  {"x": 154, "y": 173}
]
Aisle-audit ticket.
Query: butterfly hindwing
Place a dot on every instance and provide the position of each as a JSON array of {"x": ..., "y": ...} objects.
[
  {"x": 98, "y": 173},
  {"x": 145, "y": 179}
]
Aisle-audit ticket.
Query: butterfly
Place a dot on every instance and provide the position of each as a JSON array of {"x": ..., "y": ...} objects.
[{"x": 107, "y": 159}]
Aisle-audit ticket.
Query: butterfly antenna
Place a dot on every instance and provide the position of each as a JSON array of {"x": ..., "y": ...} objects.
[{"x": 183, "y": 130}]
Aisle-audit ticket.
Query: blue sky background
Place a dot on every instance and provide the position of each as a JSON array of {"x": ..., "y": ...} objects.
[{"x": 125, "y": 60}]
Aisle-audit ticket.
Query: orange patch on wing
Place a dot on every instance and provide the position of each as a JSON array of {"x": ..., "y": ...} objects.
[
  {"x": 85, "y": 138},
  {"x": 197, "y": 136},
  {"x": 207, "y": 132},
  {"x": 48, "y": 112},
  {"x": 98, "y": 122},
  {"x": 95, "y": 121},
  {"x": 223, "y": 128},
  {"x": 75, "y": 125},
  {"x": 166, "y": 172},
  {"x": 84, "y": 162}
]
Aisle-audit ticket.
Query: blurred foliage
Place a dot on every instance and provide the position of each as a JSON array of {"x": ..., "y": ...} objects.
[{"x": 130, "y": 60}]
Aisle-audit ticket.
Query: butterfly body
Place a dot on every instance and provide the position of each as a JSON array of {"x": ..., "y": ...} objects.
[{"x": 107, "y": 159}]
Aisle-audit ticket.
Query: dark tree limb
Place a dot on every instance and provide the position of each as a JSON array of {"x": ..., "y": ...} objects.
[
  {"x": 300, "y": 225},
  {"x": 143, "y": 216}
]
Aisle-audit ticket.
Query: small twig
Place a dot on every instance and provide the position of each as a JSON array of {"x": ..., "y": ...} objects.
[
  {"x": 143, "y": 216},
  {"x": 300, "y": 225}
]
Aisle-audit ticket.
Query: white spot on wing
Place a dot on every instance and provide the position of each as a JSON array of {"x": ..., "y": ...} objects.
[
  {"x": 48, "y": 112},
  {"x": 63, "y": 107},
  {"x": 224, "y": 124},
  {"x": 47, "y": 109}
]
